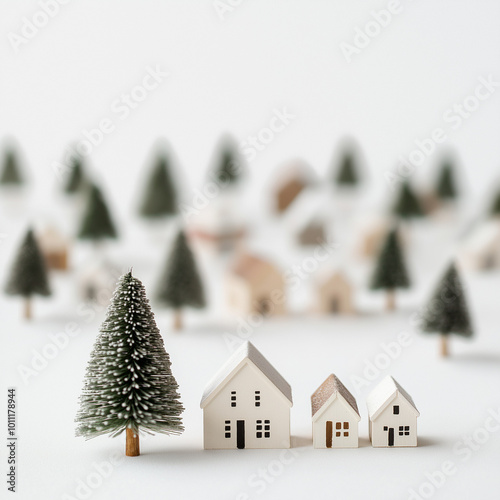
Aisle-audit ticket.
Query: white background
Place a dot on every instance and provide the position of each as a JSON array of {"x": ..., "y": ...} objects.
[{"x": 228, "y": 76}]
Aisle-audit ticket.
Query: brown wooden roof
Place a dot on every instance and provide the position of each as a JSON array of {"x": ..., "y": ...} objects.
[{"x": 329, "y": 387}]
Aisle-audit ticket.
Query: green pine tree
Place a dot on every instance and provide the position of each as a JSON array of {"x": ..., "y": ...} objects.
[
  {"x": 495, "y": 206},
  {"x": 446, "y": 312},
  {"x": 390, "y": 270},
  {"x": 228, "y": 169},
  {"x": 28, "y": 275},
  {"x": 180, "y": 284},
  {"x": 11, "y": 170},
  {"x": 129, "y": 383},
  {"x": 160, "y": 197},
  {"x": 407, "y": 204},
  {"x": 347, "y": 172},
  {"x": 76, "y": 180},
  {"x": 96, "y": 223},
  {"x": 446, "y": 186}
]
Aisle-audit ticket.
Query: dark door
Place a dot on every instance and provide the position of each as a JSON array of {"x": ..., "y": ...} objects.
[
  {"x": 391, "y": 436},
  {"x": 329, "y": 433},
  {"x": 240, "y": 434},
  {"x": 334, "y": 305}
]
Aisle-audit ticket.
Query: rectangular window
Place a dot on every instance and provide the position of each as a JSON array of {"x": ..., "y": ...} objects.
[
  {"x": 267, "y": 428},
  {"x": 395, "y": 410},
  {"x": 227, "y": 428},
  {"x": 258, "y": 428},
  {"x": 385, "y": 427},
  {"x": 346, "y": 425},
  {"x": 346, "y": 434},
  {"x": 404, "y": 430},
  {"x": 233, "y": 399},
  {"x": 337, "y": 434},
  {"x": 338, "y": 425},
  {"x": 257, "y": 398}
]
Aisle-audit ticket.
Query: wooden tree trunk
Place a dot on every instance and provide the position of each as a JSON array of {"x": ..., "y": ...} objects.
[
  {"x": 390, "y": 303},
  {"x": 132, "y": 444},
  {"x": 177, "y": 319},
  {"x": 444, "y": 346},
  {"x": 27, "y": 308}
]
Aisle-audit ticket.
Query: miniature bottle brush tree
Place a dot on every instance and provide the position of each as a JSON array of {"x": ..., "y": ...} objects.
[
  {"x": 347, "y": 173},
  {"x": 28, "y": 275},
  {"x": 11, "y": 172},
  {"x": 407, "y": 204},
  {"x": 228, "y": 169},
  {"x": 447, "y": 313},
  {"x": 446, "y": 186},
  {"x": 390, "y": 270},
  {"x": 96, "y": 224},
  {"x": 129, "y": 384},
  {"x": 160, "y": 197},
  {"x": 180, "y": 284},
  {"x": 76, "y": 180}
]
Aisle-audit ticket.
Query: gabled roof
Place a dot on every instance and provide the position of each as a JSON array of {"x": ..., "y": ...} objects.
[
  {"x": 246, "y": 353},
  {"x": 252, "y": 268},
  {"x": 329, "y": 390},
  {"x": 383, "y": 394},
  {"x": 296, "y": 169}
]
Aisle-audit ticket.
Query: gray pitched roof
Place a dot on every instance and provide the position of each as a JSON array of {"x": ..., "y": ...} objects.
[
  {"x": 332, "y": 385},
  {"x": 246, "y": 352}
]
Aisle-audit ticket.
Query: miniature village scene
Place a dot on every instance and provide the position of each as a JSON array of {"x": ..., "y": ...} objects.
[{"x": 259, "y": 308}]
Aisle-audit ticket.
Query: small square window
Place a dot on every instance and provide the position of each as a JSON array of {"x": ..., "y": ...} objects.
[
  {"x": 407, "y": 427},
  {"x": 233, "y": 398},
  {"x": 259, "y": 427},
  {"x": 233, "y": 404},
  {"x": 385, "y": 427},
  {"x": 227, "y": 421},
  {"x": 259, "y": 421},
  {"x": 267, "y": 434},
  {"x": 346, "y": 425},
  {"x": 259, "y": 435},
  {"x": 267, "y": 427},
  {"x": 257, "y": 403},
  {"x": 395, "y": 410},
  {"x": 337, "y": 434},
  {"x": 227, "y": 434},
  {"x": 401, "y": 433},
  {"x": 346, "y": 434},
  {"x": 338, "y": 425},
  {"x": 227, "y": 428},
  {"x": 267, "y": 421},
  {"x": 257, "y": 398},
  {"x": 400, "y": 428}
]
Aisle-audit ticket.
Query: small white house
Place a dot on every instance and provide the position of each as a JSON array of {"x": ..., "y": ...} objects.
[
  {"x": 335, "y": 416},
  {"x": 393, "y": 416},
  {"x": 247, "y": 404}
]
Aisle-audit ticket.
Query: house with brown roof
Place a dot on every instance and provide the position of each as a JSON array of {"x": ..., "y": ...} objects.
[
  {"x": 255, "y": 286},
  {"x": 55, "y": 248},
  {"x": 290, "y": 181},
  {"x": 335, "y": 416}
]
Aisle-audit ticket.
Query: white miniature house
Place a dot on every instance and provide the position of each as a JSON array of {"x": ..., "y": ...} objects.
[
  {"x": 247, "y": 404},
  {"x": 255, "y": 285},
  {"x": 393, "y": 416},
  {"x": 335, "y": 416},
  {"x": 334, "y": 294}
]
